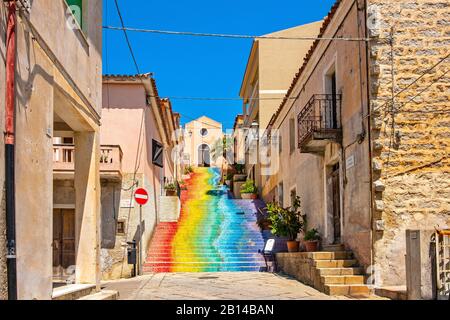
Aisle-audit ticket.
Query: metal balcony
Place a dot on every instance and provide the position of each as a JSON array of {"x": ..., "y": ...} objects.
[
  {"x": 318, "y": 123},
  {"x": 110, "y": 162}
]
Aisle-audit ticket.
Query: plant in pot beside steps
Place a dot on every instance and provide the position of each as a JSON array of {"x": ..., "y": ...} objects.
[
  {"x": 287, "y": 222},
  {"x": 249, "y": 190},
  {"x": 171, "y": 189},
  {"x": 312, "y": 239}
]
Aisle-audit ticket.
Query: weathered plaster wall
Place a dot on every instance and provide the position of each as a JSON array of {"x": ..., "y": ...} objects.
[
  {"x": 3, "y": 280},
  {"x": 123, "y": 105},
  {"x": 34, "y": 163},
  {"x": 114, "y": 261},
  {"x": 84, "y": 63},
  {"x": 309, "y": 169},
  {"x": 111, "y": 192},
  {"x": 411, "y": 146},
  {"x": 278, "y": 62}
]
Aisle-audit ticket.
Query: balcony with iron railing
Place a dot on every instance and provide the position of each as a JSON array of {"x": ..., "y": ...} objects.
[
  {"x": 319, "y": 123},
  {"x": 110, "y": 161}
]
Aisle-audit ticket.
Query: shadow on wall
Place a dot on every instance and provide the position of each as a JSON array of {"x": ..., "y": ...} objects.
[{"x": 110, "y": 200}]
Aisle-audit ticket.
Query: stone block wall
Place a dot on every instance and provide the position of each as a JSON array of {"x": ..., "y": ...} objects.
[
  {"x": 410, "y": 123},
  {"x": 300, "y": 265}
]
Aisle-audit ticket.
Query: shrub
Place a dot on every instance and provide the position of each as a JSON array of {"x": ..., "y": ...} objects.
[
  {"x": 170, "y": 186},
  {"x": 286, "y": 222},
  {"x": 249, "y": 187},
  {"x": 312, "y": 235}
]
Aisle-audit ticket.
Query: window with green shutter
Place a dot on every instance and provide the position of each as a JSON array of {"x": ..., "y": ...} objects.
[{"x": 76, "y": 7}]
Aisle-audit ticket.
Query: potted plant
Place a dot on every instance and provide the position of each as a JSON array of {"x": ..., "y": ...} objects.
[
  {"x": 249, "y": 190},
  {"x": 287, "y": 222},
  {"x": 312, "y": 238},
  {"x": 228, "y": 178},
  {"x": 171, "y": 189}
]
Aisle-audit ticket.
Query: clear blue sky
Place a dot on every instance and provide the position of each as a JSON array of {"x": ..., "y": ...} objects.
[{"x": 197, "y": 66}]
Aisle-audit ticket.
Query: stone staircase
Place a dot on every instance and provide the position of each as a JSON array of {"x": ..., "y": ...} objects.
[
  {"x": 214, "y": 233},
  {"x": 333, "y": 271},
  {"x": 83, "y": 292}
]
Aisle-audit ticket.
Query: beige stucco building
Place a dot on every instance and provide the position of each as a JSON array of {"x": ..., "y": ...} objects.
[
  {"x": 58, "y": 92},
  {"x": 271, "y": 65},
  {"x": 145, "y": 128},
  {"x": 364, "y": 144},
  {"x": 202, "y": 137}
]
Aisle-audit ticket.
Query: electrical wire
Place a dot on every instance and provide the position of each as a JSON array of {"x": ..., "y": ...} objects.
[
  {"x": 220, "y": 98},
  {"x": 402, "y": 104},
  {"x": 412, "y": 83},
  {"x": 232, "y": 36},
  {"x": 140, "y": 138}
]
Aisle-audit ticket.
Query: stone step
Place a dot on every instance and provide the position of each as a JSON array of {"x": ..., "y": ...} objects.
[
  {"x": 341, "y": 271},
  {"x": 102, "y": 295},
  {"x": 73, "y": 291},
  {"x": 202, "y": 269},
  {"x": 346, "y": 290},
  {"x": 333, "y": 247},
  {"x": 203, "y": 263},
  {"x": 335, "y": 263},
  {"x": 203, "y": 259},
  {"x": 331, "y": 255},
  {"x": 343, "y": 279}
]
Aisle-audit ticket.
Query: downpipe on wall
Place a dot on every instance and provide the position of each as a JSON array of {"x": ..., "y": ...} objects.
[{"x": 9, "y": 150}]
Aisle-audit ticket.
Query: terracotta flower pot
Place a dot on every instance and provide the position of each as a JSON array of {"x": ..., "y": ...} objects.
[
  {"x": 312, "y": 246},
  {"x": 171, "y": 193},
  {"x": 292, "y": 246},
  {"x": 249, "y": 196}
]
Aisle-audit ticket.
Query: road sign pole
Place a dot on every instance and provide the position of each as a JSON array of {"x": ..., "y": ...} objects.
[{"x": 140, "y": 239}]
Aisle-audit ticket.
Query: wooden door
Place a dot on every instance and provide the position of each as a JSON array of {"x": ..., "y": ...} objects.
[
  {"x": 63, "y": 242},
  {"x": 336, "y": 204}
]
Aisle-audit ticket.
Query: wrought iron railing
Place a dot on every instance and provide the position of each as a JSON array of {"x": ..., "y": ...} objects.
[{"x": 320, "y": 114}]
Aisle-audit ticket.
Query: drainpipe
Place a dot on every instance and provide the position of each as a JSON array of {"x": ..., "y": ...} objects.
[{"x": 9, "y": 151}]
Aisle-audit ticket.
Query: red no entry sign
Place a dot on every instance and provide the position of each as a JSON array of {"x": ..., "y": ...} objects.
[{"x": 141, "y": 196}]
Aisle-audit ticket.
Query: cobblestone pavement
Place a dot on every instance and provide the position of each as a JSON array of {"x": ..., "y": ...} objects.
[{"x": 215, "y": 286}]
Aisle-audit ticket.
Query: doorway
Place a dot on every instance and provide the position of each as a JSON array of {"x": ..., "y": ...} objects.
[
  {"x": 63, "y": 243},
  {"x": 204, "y": 156},
  {"x": 336, "y": 203}
]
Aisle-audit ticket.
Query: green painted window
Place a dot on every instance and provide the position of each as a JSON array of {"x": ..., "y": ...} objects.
[{"x": 77, "y": 10}]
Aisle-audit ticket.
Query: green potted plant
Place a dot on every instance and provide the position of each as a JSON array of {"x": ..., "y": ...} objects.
[
  {"x": 311, "y": 239},
  {"x": 287, "y": 222},
  {"x": 229, "y": 178},
  {"x": 249, "y": 190},
  {"x": 171, "y": 189}
]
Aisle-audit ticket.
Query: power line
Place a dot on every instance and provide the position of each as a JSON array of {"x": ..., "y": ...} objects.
[
  {"x": 412, "y": 83},
  {"x": 420, "y": 92},
  {"x": 126, "y": 37},
  {"x": 140, "y": 138},
  {"x": 232, "y": 36},
  {"x": 220, "y": 98}
]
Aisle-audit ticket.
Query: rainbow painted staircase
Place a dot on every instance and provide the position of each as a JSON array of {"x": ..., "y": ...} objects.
[{"x": 214, "y": 232}]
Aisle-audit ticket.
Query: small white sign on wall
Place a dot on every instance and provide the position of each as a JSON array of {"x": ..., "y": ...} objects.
[
  {"x": 350, "y": 162},
  {"x": 126, "y": 203}
]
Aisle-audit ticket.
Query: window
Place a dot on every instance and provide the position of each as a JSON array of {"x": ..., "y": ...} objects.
[
  {"x": 280, "y": 143},
  {"x": 204, "y": 132},
  {"x": 280, "y": 194},
  {"x": 291, "y": 135},
  {"x": 121, "y": 227},
  {"x": 157, "y": 153},
  {"x": 67, "y": 140},
  {"x": 76, "y": 7}
]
